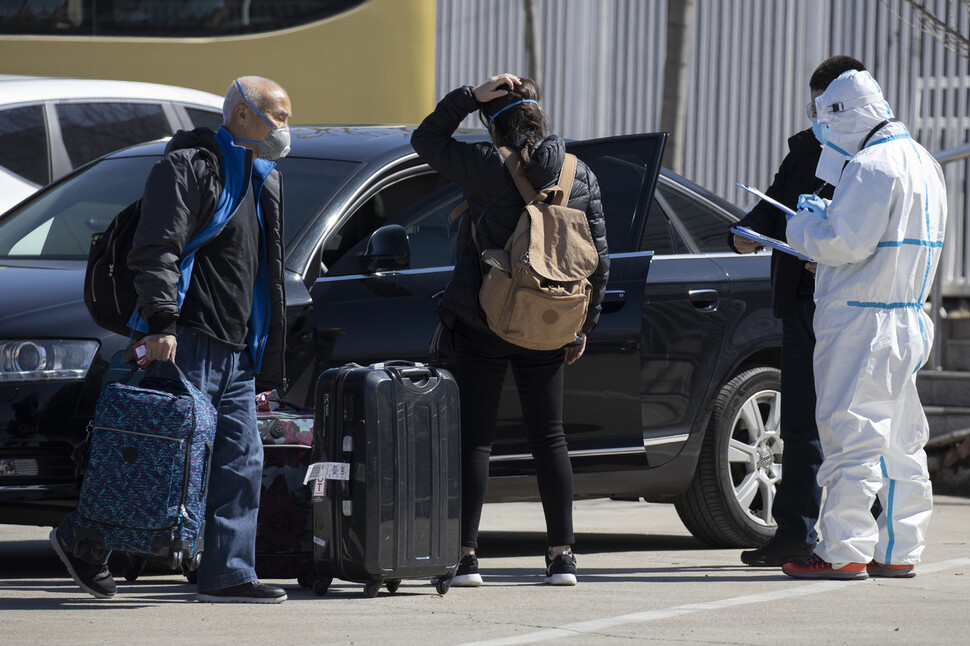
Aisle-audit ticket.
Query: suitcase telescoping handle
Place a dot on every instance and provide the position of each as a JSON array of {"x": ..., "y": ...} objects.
[{"x": 415, "y": 376}]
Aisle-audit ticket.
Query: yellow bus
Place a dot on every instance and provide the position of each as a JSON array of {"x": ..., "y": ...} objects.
[{"x": 342, "y": 61}]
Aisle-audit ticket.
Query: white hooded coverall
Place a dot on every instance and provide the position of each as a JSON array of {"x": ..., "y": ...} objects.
[{"x": 877, "y": 247}]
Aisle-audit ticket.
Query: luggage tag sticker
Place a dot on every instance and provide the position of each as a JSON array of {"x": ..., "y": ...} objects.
[
  {"x": 319, "y": 490},
  {"x": 320, "y": 472},
  {"x": 328, "y": 470}
]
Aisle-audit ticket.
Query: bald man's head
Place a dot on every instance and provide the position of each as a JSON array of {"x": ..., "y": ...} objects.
[
  {"x": 259, "y": 91},
  {"x": 254, "y": 108}
]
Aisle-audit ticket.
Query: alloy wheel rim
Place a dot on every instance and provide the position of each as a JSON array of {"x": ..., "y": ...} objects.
[{"x": 754, "y": 455}]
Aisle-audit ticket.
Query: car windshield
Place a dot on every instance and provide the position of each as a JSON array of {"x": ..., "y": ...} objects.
[{"x": 57, "y": 224}]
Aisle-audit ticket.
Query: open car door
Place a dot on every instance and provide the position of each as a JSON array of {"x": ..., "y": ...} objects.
[{"x": 369, "y": 317}]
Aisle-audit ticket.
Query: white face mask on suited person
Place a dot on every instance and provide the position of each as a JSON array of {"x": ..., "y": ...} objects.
[
  {"x": 850, "y": 108},
  {"x": 277, "y": 143}
]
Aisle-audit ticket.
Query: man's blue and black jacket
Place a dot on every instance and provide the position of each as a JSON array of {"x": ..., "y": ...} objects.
[{"x": 190, "y": 195}]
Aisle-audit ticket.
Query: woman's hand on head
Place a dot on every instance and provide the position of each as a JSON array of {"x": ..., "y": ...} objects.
[{"x": 495, "y": 86}]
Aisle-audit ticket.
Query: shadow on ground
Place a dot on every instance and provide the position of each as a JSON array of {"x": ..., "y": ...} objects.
[{"x": 528, "y": 543}]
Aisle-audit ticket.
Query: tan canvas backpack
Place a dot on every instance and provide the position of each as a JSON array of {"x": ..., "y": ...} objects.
[{"x": 536, "y": 291}]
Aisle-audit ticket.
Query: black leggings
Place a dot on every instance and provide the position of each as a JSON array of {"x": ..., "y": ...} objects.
[{"x": 482, "y": 360}]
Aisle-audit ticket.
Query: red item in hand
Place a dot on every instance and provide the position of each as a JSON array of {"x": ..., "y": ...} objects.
[{"x": 141, "y": 353}]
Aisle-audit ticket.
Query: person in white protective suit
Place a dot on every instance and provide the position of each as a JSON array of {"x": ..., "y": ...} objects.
[{"x": 877, "y": 244}]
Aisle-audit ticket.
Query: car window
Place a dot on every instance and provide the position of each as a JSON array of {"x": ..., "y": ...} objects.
[
  {"x": 379, "y": 209},
  {"x": 659, "y": 234},
  {"x": 308, "y": 186},
  {"x": 204, "y": 118},
  {"x": 432, "y": 238},
  {"x": 624, "y": 168},
  {"x": 706, "y": 226},
  {"x": 90, "y": 130},
  {"x": 23, "y": 143},
  {"x": 58, "y": 224}
]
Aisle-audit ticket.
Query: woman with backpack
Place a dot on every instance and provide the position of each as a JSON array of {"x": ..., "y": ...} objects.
[{"x": 509, "y": 108}]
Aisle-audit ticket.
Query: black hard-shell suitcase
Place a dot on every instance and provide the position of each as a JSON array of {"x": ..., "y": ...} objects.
[{"x": 386, "y": 476}]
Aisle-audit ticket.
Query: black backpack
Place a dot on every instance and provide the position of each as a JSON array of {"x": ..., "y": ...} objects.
[{"x": 109, "y": 285}]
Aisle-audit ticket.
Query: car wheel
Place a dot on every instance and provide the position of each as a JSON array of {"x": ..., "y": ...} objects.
[{"x": 739, "y": 467}]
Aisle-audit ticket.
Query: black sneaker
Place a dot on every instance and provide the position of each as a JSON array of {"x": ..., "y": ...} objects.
[
  {"x": 252, "y": 592},
  {"x": 776, "y": 554},
  {"x": 562, "y": 569},
  {"x": 93, "y": 578},
  {"x": 467, "y": 575}
]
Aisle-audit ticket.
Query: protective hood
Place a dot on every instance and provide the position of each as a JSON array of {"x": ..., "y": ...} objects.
[{"x": 852, "y": 106}]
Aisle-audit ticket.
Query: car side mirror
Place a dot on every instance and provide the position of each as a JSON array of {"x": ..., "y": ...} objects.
[{"x": 387, "y": 249}]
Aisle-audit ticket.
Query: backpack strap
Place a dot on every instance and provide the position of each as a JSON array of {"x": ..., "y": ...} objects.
[
  {"x": 457, "y": 211},
  {"x": 566, "y": 177},
  {"x": 514, "y": 163}
]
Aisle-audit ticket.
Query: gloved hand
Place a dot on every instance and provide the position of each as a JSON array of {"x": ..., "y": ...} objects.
[{"x": 813, "y": 203}]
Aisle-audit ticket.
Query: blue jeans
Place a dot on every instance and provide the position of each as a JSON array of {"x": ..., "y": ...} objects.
[
  {"x": 226, "y": 376},
  {"x": 229, "y": 543}
]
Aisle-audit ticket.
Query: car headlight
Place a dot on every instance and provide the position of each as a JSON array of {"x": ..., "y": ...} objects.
[{"x": 45, "y": 359}]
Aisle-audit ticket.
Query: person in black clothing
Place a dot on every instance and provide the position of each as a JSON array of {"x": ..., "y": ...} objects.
[
  {"x": 510, "y": 110},
  {"x": 796, "y": 504},
  {"x": 208, "y": 262}
]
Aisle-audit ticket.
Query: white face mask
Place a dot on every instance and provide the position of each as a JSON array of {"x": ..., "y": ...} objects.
[
  {"x": 277, "y": 143},
  {"x": 830, "y": 165}
]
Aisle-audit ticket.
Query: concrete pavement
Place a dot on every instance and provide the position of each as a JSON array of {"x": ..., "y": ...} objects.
[{"x": 643, "y": 579}]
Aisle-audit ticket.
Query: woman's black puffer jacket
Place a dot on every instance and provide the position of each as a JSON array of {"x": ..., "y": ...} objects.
[{"x": 489, "y": 188}]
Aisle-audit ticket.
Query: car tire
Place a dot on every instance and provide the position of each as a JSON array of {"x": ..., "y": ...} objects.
[{"x": 729, "y": 501}]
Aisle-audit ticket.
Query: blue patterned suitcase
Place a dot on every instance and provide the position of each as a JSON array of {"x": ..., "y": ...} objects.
[{"x": 145, "y": 484}]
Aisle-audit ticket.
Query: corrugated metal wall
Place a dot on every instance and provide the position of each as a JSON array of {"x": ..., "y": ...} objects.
[
  {"x": 603, "y": 61},
  {"x": 749, "y": 70}
]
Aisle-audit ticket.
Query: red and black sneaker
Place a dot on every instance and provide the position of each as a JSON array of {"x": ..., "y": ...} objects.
[
  {"x": 815, "y": 568},
  {"x": 900, "y": 571}
]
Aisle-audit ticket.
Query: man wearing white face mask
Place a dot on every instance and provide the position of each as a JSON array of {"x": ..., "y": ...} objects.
[
  {"x": 208, "y": 262},
  {"x": 877, "y": 244}
]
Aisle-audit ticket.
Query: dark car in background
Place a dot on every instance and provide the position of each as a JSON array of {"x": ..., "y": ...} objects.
[{"x": 675, "y": 400}]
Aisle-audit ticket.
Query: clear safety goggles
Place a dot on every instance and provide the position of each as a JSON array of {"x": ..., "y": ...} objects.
[{"x": 841, "y": 106}]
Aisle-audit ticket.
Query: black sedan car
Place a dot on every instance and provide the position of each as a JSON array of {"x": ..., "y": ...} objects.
[{"x": 676, "y": 399}]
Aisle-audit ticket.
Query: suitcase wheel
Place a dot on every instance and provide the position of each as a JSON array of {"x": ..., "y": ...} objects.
[
  {"x": 372, "y": 588},
  {"x": 190, "y": 568},
  {"x": 136, "y": 565},
  {"x": 321, "y": 585},
  {"x": 305, "y": 575},
  {"x": 175, "y": 560},
  {"x": 193, "y": 563},
  {"x": 443, "y": 584},
  {"x": 392, "y": 585}
]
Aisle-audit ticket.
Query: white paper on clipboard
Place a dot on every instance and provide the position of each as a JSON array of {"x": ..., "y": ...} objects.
[
  {"x": 745, "y": 232},
  {"x": 764, "y": 197}
]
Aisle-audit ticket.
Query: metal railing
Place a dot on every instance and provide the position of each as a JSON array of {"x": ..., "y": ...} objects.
[{"x": 936, "y": 357}]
